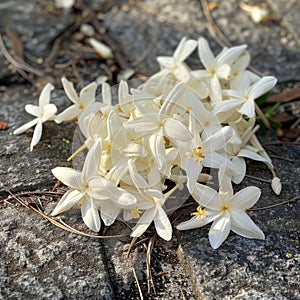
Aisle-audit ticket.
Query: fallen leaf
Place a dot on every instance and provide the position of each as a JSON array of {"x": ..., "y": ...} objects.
[
  {"x": 3, "y": 125},
  {"x": 291, "y": 133},
  {"x": 283, "y": 117},
  {"x": 16, "y": 42},
  {"x": 285, "y": 96}
]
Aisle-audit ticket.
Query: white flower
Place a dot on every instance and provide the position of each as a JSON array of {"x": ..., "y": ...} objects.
[
  {"x": 44, "y": 112},
  {"x": 152, "y": 202},
  {"x": 175, "y": 64},
  {"x": 86, "y": 97},
  {"x": 226, "y": 211},
  {"x": 243, "y": 99},
  {"x": 88, "y": 189},
  {"x": 218, "y": 67}
]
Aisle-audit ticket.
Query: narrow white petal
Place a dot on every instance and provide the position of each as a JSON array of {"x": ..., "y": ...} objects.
[
  {"x": 248, "y": 109},
  {"x": 68, "y": 114},
  {"x": 109, "y": 212},
  {"x": 137, "y": 179},
  {"x": 216, "y": 89},
  {"x": 245, "y": 198},
  {"x": 252, "y": 155},
  {"x": 230, "y": 55},
  {"x": 144, "y": 222},
  {"x": 206, "y": 196},
  {"x": 25, "y": 127},
  {"x": 70, "y": 91},
  {"x": 92, "y": 162},
  {"x": 206, "y": 56},
  {"x": 37, "y": 134},
  {"x": 184, "y": 49},
  {"x": 242, "y": 225},
  {"x": 194, "y": 223},
  {"x": 45, "y": 95},
  {"x": 175, "y": 129},
  {"x": 87, "y": 94},
  {"x": 33, "y": 110},
  {"x": 157, "y": 146},
  {"x": 240, "y": 164},
  {"x": 90, "y": 215},
  {"x": 218, "y": 140},
  {"x": 219, "y": 230},
  {"x": 68, "y": 200},
  {"x": 106, "y": 94},
  {"x": 162, "y": 224},
  {"x": 261, "y": 87},
  {"x": 165, "y": 61},
  {"x": 68, "y": 176}
]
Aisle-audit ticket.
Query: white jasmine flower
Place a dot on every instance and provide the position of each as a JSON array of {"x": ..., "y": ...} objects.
[
  {"x": 44, "y": 112},
  {"x": 152, "y": 202},
  {"x": 175, "y": 64},
  {"x": 218, "y": 67},
  {"x": 243, "y": 99},
  {"x": 86, "y": 97},
  {"x": 88, "y": 188},
  {"x": 226, "y": 211}
]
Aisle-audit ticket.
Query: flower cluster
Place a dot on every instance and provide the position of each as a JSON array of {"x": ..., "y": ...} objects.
[{"x": 163, "y": 136}]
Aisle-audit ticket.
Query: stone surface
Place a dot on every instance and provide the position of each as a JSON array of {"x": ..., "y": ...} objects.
[
  {"x": 40, "y": 261},
  {"x": 253, "y": 269}
]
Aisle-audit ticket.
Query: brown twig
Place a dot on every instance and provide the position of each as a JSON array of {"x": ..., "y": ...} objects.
[
  {"x": 148, "y": 263},
  {"x": 17, "y": 62},
  {"x": 295, "y": 199},
  {"x": 282, "y": 143},
  {"x": 136, "y": 278}
]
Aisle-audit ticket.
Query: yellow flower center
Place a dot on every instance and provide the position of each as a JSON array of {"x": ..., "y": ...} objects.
[
  {"x": 136, "y": 213},
  {"x": 197, "y": 154},
  {"x": 199, "y": 214}
]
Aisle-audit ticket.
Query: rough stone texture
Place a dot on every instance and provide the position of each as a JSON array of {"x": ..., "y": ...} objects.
[
  {"x": 143, "y": 35},
  {"x": 20, "y": 168},
  {"x": 40, "y": 261},
  {"x": 253, "y": 269}
]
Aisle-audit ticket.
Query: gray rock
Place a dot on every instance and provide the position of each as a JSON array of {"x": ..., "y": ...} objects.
[{"x": 252, "y": 269}]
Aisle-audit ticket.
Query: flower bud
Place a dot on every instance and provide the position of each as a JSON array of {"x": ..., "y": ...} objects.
[{"x": 276, "y": 185}]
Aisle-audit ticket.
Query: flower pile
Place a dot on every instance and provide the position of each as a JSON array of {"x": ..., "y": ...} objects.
[{"x": 164, "y": 136}]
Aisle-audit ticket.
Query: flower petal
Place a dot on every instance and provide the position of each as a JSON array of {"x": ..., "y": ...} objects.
[
  {"x": 218, "y": 140},
  {"x": 261, "y": 87},
  {"x": 219, "y": 230},
  {"x": 109, "y": 212},
  {"x": 248, "y": 108},
  {"x": 37, "y": 134},
  {"x": 245, "y": 198},
  {"x": 92, "y": 162},
  {"x": 240, "y": 164},
  {"x": 144, "y": 222},
  {"x": 206, "y": 196},
  {"x": 68, "y": 200},
  {"x": 25, "y": 127},
  {"x": 194, "y": 223},
  {"x": 175, "y": 129},
  {"x": 90, "y": 215},
  {"x": 206, "y": 56},
  {"x": 87, "y": 94},
  {"x": 184, "y": 49},
  {"x": 33, "y": 110},
  {"x": 68, "y": 114},
  {"x": 162, "y": 224},
  {"x": 252, "y": 155},
  {"x": 68, "y": 176},
  {"x": 70, "y": 91},
  {"x": 242, "y": 225},
  {"x": 49, "y": 112},
  {"x": 45, "y": 95}
]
